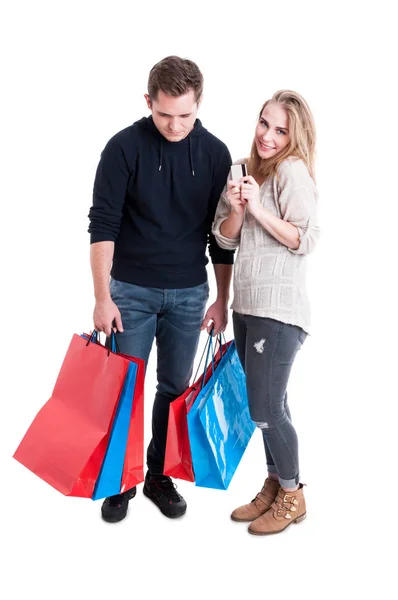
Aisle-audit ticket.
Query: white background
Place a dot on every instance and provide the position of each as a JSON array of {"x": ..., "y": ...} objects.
[{"x": 73, "y": 74}]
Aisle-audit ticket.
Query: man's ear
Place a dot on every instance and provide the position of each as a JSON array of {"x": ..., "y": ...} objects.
[
  {"x": 148, "y": 101},
  {"x": 199, "y": 102}
]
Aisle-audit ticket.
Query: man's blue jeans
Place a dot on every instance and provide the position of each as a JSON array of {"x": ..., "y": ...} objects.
[{"x": 173, "y": 317}]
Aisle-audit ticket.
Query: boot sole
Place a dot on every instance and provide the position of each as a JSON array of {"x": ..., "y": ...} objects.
[
  {"x": 161, "y": 510},
  {"x": 296, "y": 521},
  {"x": 244, "y": 520}
]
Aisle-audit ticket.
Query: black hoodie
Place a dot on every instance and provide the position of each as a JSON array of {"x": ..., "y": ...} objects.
[{"x": 156, "y": 200}]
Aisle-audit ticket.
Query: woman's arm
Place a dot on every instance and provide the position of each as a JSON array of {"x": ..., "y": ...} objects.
[
  {"x": 229, "y": 216},
  {"x": 298, "y": 229}
]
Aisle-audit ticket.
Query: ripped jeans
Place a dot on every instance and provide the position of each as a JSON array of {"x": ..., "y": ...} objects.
[{"x": 267, "y": 349}]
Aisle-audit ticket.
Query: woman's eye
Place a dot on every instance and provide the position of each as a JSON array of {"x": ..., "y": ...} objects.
[{"x": 281, "y": 132}]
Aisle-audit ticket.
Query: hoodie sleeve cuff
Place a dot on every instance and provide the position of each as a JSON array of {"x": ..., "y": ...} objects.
[
  {"x": 219, "y": 255},
  {"x": 101, "y": 237}
]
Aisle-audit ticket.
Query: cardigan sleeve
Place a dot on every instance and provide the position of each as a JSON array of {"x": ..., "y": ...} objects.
[
  {"x": 222, "y": 214},
  {"x": 297, "y": 197}
]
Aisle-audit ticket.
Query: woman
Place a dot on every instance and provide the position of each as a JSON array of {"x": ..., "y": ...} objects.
[{"x": 271, "y": 215}]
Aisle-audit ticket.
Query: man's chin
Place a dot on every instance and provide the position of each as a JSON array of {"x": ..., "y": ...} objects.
[{"x": 174, "y": 138}]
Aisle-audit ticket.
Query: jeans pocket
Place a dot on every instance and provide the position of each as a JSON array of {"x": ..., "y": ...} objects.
[
  {"x": 302, "y": 336},
  {"x": 117, "y": 290}
]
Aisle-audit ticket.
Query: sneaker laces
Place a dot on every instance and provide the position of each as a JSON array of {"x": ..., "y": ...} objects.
[{"x": 166, "y": 487}]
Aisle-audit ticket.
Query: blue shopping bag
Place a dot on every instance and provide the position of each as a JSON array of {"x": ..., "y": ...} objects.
[
  {"x": 110, "y": 477},
  {"x": 219, "y": 424}
]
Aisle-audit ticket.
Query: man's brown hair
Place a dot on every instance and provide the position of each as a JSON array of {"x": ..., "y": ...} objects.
[{"x": 175, "y": 76}]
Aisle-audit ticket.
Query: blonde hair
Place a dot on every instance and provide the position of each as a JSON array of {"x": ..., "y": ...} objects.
[{"x": 302, "y": 136}]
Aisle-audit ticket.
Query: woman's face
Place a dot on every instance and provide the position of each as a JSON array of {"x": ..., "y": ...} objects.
[{"x": 272, "y": 131}]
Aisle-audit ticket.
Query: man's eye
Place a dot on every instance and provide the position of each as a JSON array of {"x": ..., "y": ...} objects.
[{"x": 264, "y": 123}]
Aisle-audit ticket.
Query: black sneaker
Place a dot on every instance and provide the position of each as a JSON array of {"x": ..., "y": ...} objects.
[
  {"x": 115, "y": 508},
  {"x": 162, "y": 491}
]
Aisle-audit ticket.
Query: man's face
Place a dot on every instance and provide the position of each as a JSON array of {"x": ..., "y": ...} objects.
[{"x": 174, "y": 116}]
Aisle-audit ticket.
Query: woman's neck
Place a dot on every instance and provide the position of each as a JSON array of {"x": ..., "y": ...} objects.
[{"x": 259, "y": 178}]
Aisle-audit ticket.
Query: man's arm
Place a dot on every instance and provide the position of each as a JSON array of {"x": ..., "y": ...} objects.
[
  {"x": 105, "y": 216},
  {"x": 222, "y": 259},
  {"x": 217, "y": 314},
  {"x": 105, "y": 310}
]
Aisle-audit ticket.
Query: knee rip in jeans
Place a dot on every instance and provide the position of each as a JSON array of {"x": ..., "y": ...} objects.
[
  {"x": 259, "y": 346},
  {"x": 262, "y": 424}
]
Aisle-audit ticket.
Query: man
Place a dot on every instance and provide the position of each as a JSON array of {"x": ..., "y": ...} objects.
[{"x": 155, "y": 194}]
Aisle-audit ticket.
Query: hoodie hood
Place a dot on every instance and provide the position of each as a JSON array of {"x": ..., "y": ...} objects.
[{"x": 198, "y": 130}]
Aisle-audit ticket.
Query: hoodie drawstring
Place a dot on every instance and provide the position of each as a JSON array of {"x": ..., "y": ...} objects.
[
  {"x": 160, "y": 154},
  {"x": 190, "y": 156}
]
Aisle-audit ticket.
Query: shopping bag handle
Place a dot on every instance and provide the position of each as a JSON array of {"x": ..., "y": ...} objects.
[
  {"x": 208, "y": 346},
  {"x": 93, "y": 338},
  {"x": 205, "y": 349},
  {"x": 213, "y": 351},
  {"x": 111, "y": 342}
]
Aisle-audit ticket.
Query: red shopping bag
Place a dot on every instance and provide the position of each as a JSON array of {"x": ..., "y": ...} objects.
[
  {"x": 66, "y": 443},
  {"x": 133, "y": 468},
  {"x": 178, "y": 460}
]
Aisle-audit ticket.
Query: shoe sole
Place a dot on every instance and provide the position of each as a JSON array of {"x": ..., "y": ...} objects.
[
  {"x": 113, "y": 520},
  {"x": 117, "y": 519},
  {"x": 161, "y": 510},
  {"x": 296, "y": 521}
]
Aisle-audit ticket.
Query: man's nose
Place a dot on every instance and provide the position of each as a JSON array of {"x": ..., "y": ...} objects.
[{"x": 173, "y": 125}]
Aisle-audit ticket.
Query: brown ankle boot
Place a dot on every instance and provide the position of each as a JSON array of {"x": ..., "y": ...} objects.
[
  {"x": 289, "y": 507},
  {"x": 261, "y": 503}
]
